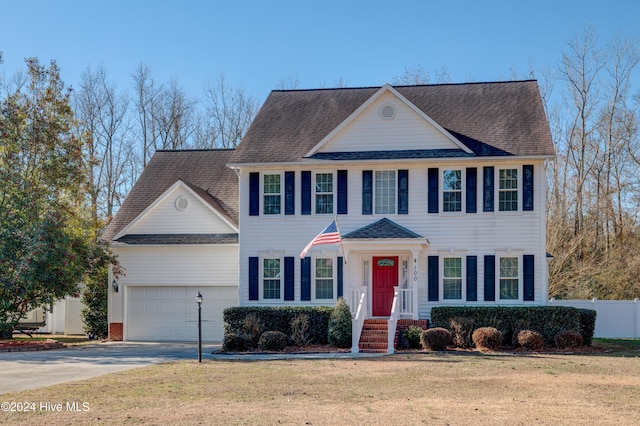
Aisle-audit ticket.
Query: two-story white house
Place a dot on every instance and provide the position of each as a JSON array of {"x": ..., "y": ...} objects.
[{"x": 438, "y": 192}]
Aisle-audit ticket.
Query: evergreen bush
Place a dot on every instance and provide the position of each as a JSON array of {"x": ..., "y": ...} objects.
[
  {"x": 339, "y": 332},
  {"x": 413, "y": 335},
  {"x": 567, "y": 339}
]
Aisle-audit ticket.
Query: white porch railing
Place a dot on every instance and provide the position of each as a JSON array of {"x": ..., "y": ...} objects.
[
  {"x": 405, "y": 301},
  {"x": 359, "y": 313},
  {"x": 392, "y": 323}
]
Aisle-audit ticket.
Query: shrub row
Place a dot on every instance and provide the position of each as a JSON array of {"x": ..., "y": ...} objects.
[
  {"x": 279, "y": 319},
  {"x": 461, "y": 321}
]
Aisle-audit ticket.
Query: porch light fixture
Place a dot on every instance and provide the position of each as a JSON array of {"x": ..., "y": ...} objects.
[
  {"x": 199, "y": 303},
  {"x": 114, "y": 284}
]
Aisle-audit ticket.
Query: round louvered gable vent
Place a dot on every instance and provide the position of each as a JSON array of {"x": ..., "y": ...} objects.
[
  {"x": 181, "y": 203},
  {"x": 387, "y": 112}
]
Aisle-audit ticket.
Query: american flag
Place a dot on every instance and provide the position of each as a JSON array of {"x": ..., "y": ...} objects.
[{"x": 330, "y": 235}]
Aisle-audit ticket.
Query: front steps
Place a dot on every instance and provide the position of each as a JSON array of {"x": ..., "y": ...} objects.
[{"x": 374, "y": 337}]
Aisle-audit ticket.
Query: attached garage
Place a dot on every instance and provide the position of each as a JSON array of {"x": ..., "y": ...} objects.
[{"x": 161, "y": 314}]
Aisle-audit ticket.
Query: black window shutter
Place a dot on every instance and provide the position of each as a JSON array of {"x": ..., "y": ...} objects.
[
  {"x": 403, "y": 191},
  {"x": 490, "y": 278},
  {"x": 528, "y": 264},
  {"x": 472, "y": 278},
  {"x": 433, "y": 278},
  {"x": 289, "y": 193},
  {"x": 367, "y": 192},
  {"x": 305, "y": 279},
  {"x": 305, "y": 182},
  {"x": 342, "y": 192},
  {"x": 527, "y": 187},
  {"x": 432, "y": 188},
  {"x": 254, "y": 194},
  {"x": 487, "y": 189},
  {"x": 340, "y": 276},
  {"x": 253, "y": 278},
  {"x": 472, "y": 182},
  {"x": 288, "y": 277}
]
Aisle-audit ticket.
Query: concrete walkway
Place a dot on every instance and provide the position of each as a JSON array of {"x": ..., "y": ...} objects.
[{"x": 32, "y": 370}]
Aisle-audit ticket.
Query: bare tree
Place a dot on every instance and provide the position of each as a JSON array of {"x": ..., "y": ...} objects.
[
  {"x": 230, "y": 111},
  {"x": 103, "y": 114},
  {"x": 146, "y": 100}
]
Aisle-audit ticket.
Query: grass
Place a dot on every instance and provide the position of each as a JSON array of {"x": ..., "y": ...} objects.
[{"x": 417, "y": 388}]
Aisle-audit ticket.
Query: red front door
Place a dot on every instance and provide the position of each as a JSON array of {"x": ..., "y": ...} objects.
[{"x": 385, "y": 278}]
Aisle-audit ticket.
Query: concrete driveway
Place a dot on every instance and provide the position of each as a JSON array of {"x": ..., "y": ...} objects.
[{"x": 31, "y": 370}]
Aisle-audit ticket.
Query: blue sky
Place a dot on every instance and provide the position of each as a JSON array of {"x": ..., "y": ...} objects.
[{"x": 256, "y": 44}]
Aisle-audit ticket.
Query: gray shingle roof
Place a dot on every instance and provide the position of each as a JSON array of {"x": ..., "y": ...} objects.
[
  {"x": 384, "y": 228},
  {"x": 491, "y": 119},
  {"x": 204, "y": 171},
  {"x": 179, "y": 239}
]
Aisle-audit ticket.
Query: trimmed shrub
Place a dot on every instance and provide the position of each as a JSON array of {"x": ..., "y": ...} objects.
[
  {"x": 487, "y": 338},
  {"x": 436, "y": 339},
  {"x": 461, "y": 330},
  {"x": 530, "y": 340},
  {"x": 547, "y": 320},
  {"x": 300, "y": 330},
  {"x": 234, "y": 343},
  {"x": 279, "y": 318},
  {"x": 252, "y": 330},
  {"x": 272, "y": 341},
  {"x": 339, "y": 333},
  {"x": 588, "y": 325},
  {"x": 413, "y": 335},
  {"x": 566, "y": 339}
]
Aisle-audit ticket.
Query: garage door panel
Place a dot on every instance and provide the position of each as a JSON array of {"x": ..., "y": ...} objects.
[{"x": 170, "y": 313}]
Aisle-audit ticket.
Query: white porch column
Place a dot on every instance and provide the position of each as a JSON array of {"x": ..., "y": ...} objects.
[{"x": 415, "y": 281}]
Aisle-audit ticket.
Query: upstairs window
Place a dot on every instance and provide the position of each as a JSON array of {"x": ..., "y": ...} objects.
[
  {"x": 324, "y": 193},
  {"x": 508, "y": 190},
  {"x": 272, "y": 193},
  {"x": 452, "y": 190},
  {"x": 385, "y": 192}
]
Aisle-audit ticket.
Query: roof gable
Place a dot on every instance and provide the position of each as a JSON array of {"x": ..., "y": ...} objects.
[
  {"x": 489, "y": 119},
  {"x": 386, "y": 117},
  {"x": 187, "y": 208},
  {"x": 203, "y": 171},
  {"x": 383, "y": 229}
]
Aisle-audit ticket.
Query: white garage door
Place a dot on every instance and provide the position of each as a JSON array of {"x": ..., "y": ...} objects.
[{"x": 170, "y": 314}]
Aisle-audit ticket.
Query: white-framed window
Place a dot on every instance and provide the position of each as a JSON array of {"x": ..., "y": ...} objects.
[
  {"x": 272, "y": 278},
  {"x": 272, "y": 194},
  {"x": 509, "y": 272},
  {"x": 508, "y": 190},
  {"x": 324, "y": 192},
  {"x": 452, "y": 190},
  {"x": 385, "y": 188},
  {"x": 324, "y": 283},
  {"x": 452, "y": 273}
]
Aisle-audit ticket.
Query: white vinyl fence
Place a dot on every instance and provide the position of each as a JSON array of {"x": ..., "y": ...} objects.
[{"x": 614, "y": 319}]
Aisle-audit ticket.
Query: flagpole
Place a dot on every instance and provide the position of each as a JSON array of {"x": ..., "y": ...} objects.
[{"x": 344, "y": 256}]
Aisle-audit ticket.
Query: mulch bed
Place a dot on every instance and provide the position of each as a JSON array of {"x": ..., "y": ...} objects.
[{"x": 22, "y": 345}]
